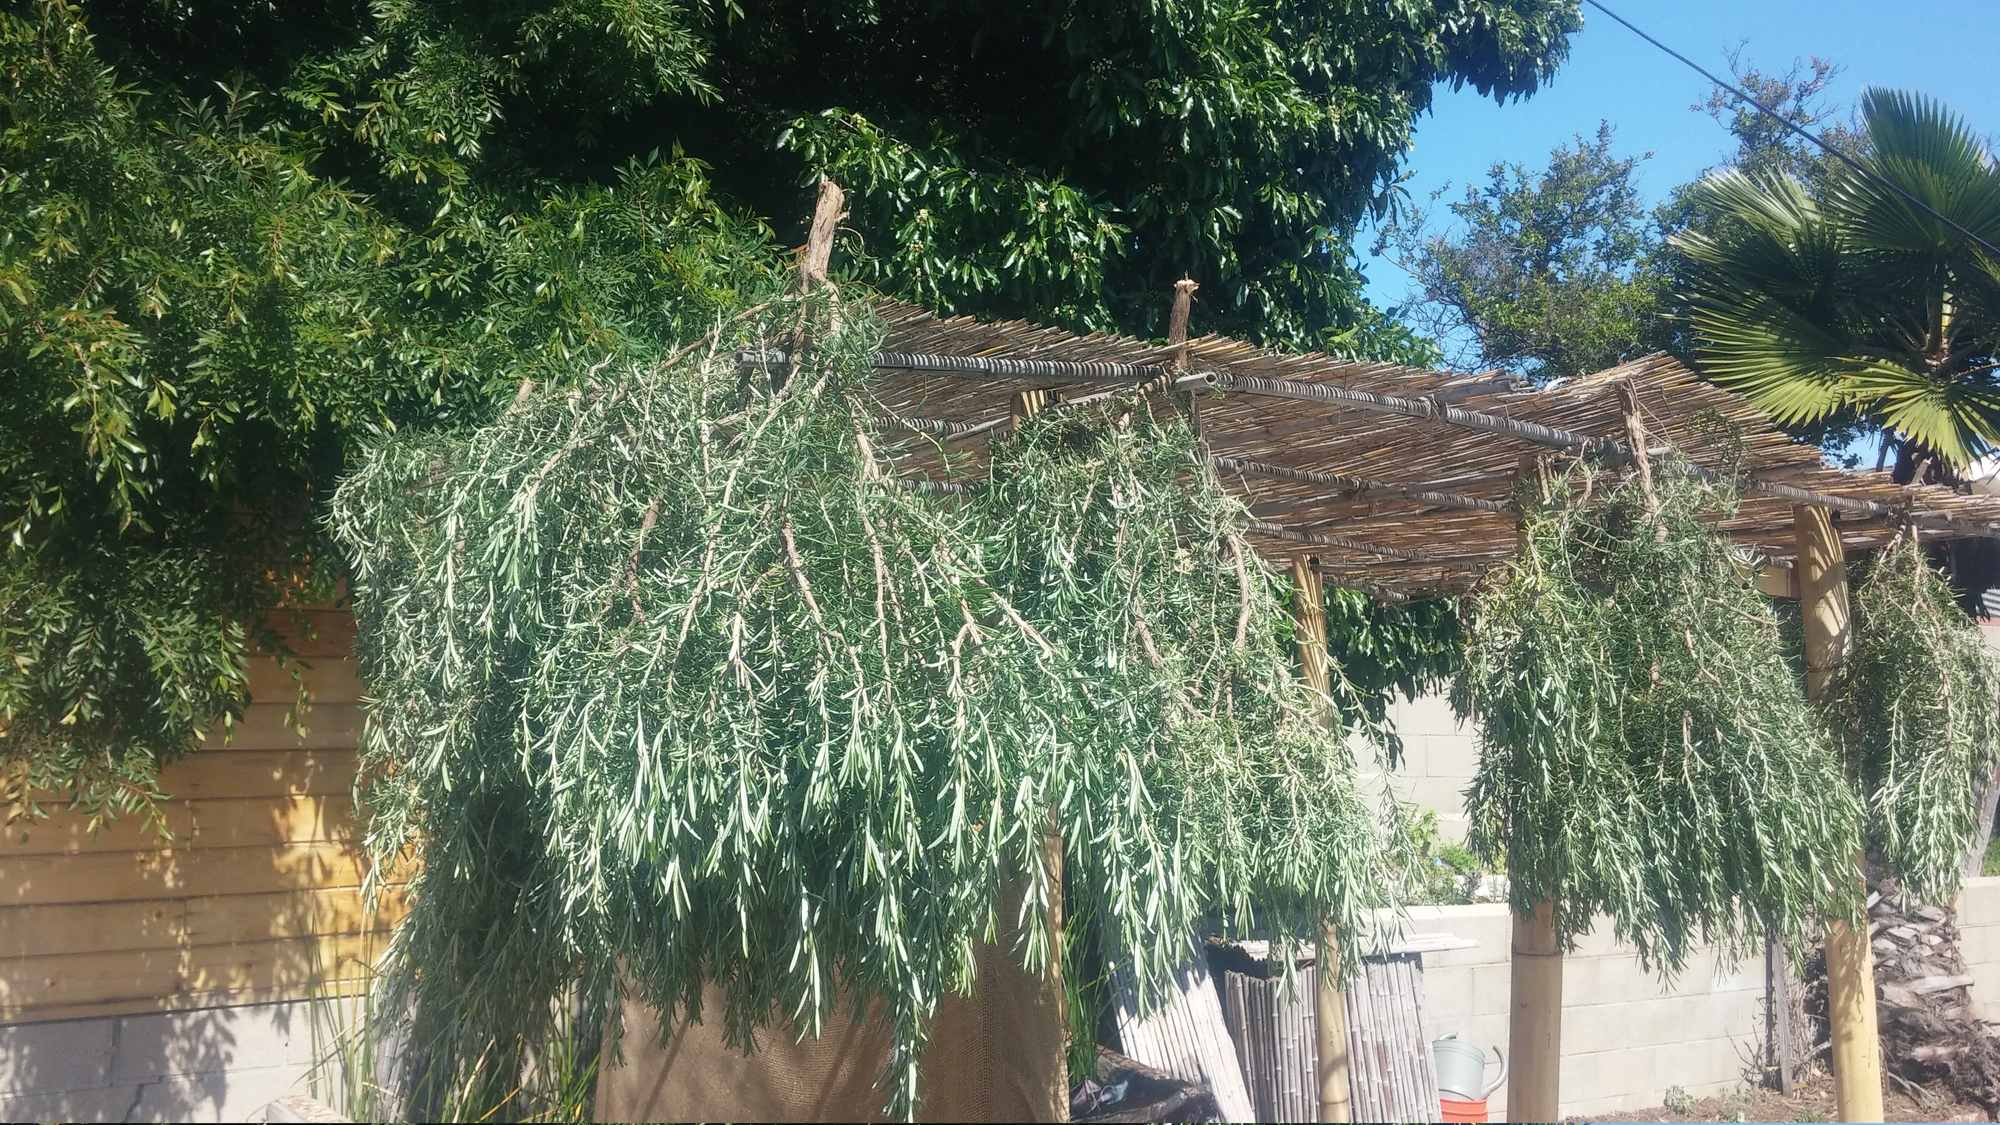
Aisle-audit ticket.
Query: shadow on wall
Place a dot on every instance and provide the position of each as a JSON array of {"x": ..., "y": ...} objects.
[{"x": 169, "y": 979}]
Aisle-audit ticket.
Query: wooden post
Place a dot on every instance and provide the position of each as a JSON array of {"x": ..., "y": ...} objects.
[
  {"x": 1336, "y": 1102},
  {"x": 818, "y": 252},
  {"x": 1177, "y": 335},
  {"x": 1535, "y": 973},
  {"x": 1535, "y": 967},
  {"x": 1534, "y": 1023},
  {"x": 1850, "y": 963},
  {"x": 1027, "y": 404},
  {"x": 814, "y": 258},
  {"x": 1778, "y": 1015},
  {"x": 1177, "y": 320}
]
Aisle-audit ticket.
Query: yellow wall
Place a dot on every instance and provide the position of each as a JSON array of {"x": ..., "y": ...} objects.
[{"x": 256, "y": 896}]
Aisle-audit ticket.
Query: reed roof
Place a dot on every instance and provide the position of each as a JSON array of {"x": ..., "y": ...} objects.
[{"x": 1308, "y": 468}]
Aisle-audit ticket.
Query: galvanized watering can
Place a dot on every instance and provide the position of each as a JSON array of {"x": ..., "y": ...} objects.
[{"x": 1461, "y": 1069}]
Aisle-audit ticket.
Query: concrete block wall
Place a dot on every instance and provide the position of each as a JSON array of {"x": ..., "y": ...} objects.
[
  {"x": 1439, "y": 756},
  {"x": 1979, "y": 938},
  {"x": 1627, "y": 1035},
  {"x": 220, "y": 1064}
]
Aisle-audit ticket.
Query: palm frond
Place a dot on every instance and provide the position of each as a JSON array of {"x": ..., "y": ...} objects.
[
  {"x": 1866, "y": 296},
  {"x": 1762, "y": 291},
  {"x": 1918, "y": 150},
  {"x": 1958, "y": 418},
  {"x": 1908, "y": 126},
  {"x": 1790, "y": 367}
]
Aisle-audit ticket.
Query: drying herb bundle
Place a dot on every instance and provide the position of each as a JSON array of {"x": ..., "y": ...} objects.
[
  {"x": 1920, "y": 695},
  {"x": 677, "y": 686},
  {"x": 1206, "y": 774},
  {"x": 1648, "y": 751}
]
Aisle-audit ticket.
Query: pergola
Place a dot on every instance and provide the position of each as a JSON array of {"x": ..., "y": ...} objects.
[
  {"x": 1390, "y": 479},
  {"x": 1403, "y": 482}
]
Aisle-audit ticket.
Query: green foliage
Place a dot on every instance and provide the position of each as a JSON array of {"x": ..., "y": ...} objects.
[
  {"x": 1075, "y": 159},
  {"x": 240, "y": 239},
  {"x": 1384, "y": 650},
  {"x": 677, "y": 686},
  {"x": 1550, "y": 274},
  {"x": 1433, "y": 871},
  {"x": 1561, "y": 270},
  {"x": 106, "y": 662},
  {"x": 1648, "y": 753},
  {"x": 201, "y": 315},
  {"x": 1920, "y": 693},
  {"x": 354, "y": 1039},
  {"x": 1813, "y": 300}
]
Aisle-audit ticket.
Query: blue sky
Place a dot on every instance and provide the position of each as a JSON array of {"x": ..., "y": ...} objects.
[{"x": 1942, "y": 47}]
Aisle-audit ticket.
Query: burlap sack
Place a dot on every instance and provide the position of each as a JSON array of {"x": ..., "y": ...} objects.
[{"x": 996, "y": 1055}]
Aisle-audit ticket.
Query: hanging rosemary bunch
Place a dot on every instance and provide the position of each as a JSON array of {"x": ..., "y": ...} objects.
[
  {"x": 1648, "y": 753},
  {"x": 676, "y": 686},
  {"x": 1201, "y": 775},
  {"x": 670, "y": 676},
  {"x": 1920, "y": 694}
]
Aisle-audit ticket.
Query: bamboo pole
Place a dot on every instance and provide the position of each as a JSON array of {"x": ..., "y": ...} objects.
[
  {"x": 1336, "y": 1101},
  {"x": 1850, "y": 963},
  {"x": 1347, "y": 543},
  {"x": 1362, "y": 486}
]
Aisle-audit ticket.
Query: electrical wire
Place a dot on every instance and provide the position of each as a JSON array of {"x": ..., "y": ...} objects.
[{"x": 1860, "y": 168}]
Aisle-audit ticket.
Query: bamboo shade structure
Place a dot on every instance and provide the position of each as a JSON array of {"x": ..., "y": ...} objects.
[{"x": 1390, "y": 478}]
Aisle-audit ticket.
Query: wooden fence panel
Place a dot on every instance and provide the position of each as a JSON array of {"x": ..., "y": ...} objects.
[{"x": 253, "y": 895}]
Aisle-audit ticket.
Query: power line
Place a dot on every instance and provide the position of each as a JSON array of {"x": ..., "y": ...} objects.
[{"x": 1743, "y": 95}]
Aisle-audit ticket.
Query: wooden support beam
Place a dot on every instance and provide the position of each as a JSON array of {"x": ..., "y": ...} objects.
[
  {"x": 1534, "y": 1022},
  {"x": 1850, "y": 962},
  {"x": 1027, "y": 404},
  {"x": 1336, "y": 1101},
  {"x": 1535, "y": 963}
]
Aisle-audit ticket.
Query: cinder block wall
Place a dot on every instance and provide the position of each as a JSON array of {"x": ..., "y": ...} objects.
[
  {"x": 1627, "y": 1035},
  {"x": 1439, "y": 756},
  {"x": 1979, "y": 936}
]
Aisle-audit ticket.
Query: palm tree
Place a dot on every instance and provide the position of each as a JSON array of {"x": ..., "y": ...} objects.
[
  {"x": 1848, "y": 298},
  {"x": 1844, "y": 299}
]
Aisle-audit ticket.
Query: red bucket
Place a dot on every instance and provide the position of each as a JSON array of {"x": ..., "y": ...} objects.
[{"x": 1456, "y": 1110}]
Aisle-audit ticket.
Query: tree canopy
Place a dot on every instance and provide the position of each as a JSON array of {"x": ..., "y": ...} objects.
[
  {"x": 1548, "y": 273},
  {"x": 239, "y": 239},
  {"x": 1564, "y": 269}
]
